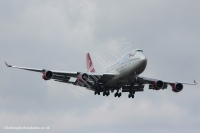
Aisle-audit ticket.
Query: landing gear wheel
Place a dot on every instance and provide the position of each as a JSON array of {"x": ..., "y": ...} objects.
[
  {"x": 97, "y": 90},
  {"x": 119, "y": 94},
  {"x": 130, "y": 95},
  {"x": 104, "y": 93},
  {"x": 116, "y": 94},
  {"x": 107, "y": 93}
]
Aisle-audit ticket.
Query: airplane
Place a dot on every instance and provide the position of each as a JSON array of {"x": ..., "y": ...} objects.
[{"x": 124, "y": 75}]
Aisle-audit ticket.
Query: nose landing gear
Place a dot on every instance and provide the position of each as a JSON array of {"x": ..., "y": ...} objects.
[{"x": 130, "y": 96}]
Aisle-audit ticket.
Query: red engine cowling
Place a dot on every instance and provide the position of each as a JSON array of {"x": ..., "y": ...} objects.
[
  {"x": 158, "y": 84},
  {"x": 177, "y": 87},
  {"x": 47, "y": 75},
  {"x": 83, "y": 77}
]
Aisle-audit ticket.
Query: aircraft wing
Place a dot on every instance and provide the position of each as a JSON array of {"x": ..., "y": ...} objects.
[
  {"x": 146, "y": 80},
  {"x": 64, "y": 76},
  {"x": 159, "y": 84}
]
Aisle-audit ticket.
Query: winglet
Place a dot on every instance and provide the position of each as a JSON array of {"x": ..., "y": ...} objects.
[
  {"x": 8, "y": 65},
  {"x": 195, "y": 82}
]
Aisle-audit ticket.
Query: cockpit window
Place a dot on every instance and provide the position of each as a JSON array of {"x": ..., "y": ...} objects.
[{"x": 139, "y": 51}]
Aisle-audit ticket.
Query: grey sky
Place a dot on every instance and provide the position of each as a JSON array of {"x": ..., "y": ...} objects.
[{"x": 57, "y": 35}]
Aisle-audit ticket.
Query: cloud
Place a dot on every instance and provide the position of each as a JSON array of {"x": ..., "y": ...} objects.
[
  {"x": 138, "y": 114},
  {"x": 57, "y": 35}
]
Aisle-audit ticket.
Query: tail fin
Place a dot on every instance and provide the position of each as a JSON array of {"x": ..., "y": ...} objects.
[{"x": 90, "y": 67}]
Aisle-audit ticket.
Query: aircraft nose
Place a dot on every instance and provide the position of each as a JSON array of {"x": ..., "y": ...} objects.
[
  {"x": 143, "y": 59},
  {"x": 142, "y": 63}
]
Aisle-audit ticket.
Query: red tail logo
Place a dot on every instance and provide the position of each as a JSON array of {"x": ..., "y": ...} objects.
[
  {"x": 131, "y": 55},
  {"x": 89, "y": 63}
]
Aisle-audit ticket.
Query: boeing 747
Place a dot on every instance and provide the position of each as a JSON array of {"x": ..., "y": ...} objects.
[{"x": 124, "y": 75}]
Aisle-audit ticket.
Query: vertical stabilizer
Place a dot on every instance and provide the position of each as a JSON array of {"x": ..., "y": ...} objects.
[{"x": 90, "y": 67}]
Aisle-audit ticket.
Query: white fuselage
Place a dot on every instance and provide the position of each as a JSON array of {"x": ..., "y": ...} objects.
[{"x": 127, "y": 68}]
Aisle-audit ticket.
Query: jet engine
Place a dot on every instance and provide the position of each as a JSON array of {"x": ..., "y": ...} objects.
[
  {"x": 177, "y": 87},
  {"x": 83, "y": 77},
  {"x": 47, "y": 75},
  {"x": 157, "y": 85}
]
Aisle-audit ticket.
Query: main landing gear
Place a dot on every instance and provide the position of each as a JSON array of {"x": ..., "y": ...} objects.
[
  {"x": 117, "y": 94},
  {"x": 131, "y": 94},
  {"x": 96, "y": 92},
  {"x": 106, "y": 93}
]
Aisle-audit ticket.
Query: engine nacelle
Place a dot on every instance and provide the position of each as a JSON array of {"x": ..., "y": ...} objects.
[
  {"x": 47, "y": 75},
  {"x": 177, "y": 87},
  {"x": 83, "y": 77},
  {"x": 157, "y": 85}
]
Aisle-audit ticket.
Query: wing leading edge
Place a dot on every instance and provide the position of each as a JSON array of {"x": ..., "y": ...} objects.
[
  {"x": 146, "y": 80},
  {"x": 64, "y": 76}
]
